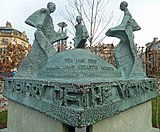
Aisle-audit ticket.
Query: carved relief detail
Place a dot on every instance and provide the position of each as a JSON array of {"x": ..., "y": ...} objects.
[{"x": 80, "y": 96}]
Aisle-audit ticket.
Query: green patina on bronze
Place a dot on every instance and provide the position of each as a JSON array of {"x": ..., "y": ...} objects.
[
  {"x": 78, "y": 104},
  {"x": 127, "y": 60},
  {"x": 76, "y": 86},
  {"x": 78, "y": 65},
  {"x": 42, "y": 47},
  {"x": 81, "y": 34}
]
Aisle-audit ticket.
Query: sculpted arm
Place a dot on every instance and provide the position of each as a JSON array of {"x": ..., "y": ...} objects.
[
  {"x": 85, "y": 32},
  {"x": 58, "y": 36},
  {"x": 37, "y": 18}
]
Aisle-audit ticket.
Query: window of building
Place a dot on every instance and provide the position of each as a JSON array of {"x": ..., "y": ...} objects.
[
  {"x": 15, "y": 41},
  {"x": 7, "y": 31},
  {"x": 5, "y": 41},
  {"x": 23, "y": 44}
]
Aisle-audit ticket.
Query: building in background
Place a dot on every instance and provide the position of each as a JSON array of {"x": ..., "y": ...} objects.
[
  {"x": 105, "y": 51},
  {"x": 152, "y": 58},
  {"x": 14, "y": 46},
  {"x": 9, "y": 35}
]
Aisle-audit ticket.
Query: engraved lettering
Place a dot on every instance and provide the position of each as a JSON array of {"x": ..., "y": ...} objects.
[
  {"x": 88, "y": 67},
  {"x": 107, "y": 68},
  {"x": 92, "y": 61},
  {"x": 68, "y": 60},
  {"x": 71, "y": 67},
  {"x": 80, "y": 60}
]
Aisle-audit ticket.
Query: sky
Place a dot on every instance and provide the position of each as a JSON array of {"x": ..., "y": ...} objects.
[{"x": 145, "y": 12}]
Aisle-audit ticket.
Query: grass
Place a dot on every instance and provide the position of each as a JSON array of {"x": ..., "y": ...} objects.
[
  {"x": 3, "y": 119},
  {"x": 154, "y": 112}
]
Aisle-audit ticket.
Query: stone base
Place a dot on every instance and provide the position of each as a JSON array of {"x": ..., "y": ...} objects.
[
  {"x": 25, "y": 119},
  {"x": 136, "y": 119}
]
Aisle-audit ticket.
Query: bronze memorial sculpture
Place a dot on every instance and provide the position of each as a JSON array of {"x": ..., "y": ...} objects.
[
  {"x": 127, "y": 60},
  {"x": 77, "y": 87},
  {"x": 81, "y": 34},
  {"x": 42, "y": 47}
]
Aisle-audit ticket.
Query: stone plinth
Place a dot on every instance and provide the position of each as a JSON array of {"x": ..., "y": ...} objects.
[
  {"x": 25, "y": 119},
  {"x": 136, "y": 119}
]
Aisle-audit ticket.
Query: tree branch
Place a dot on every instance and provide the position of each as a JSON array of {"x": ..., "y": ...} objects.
[{"x": 111, "y": 16}]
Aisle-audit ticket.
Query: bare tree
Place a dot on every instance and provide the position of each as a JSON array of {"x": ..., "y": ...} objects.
[{"x": 94, "y": 17}]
